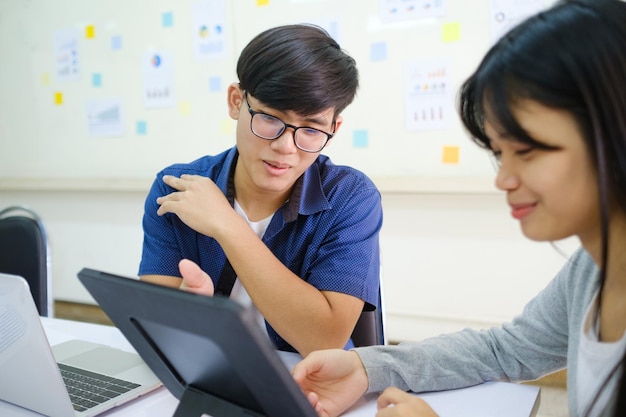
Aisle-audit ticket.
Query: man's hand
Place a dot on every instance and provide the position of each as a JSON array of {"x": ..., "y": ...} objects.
[
  {"x": 332, "y": 380},
  {"x": 199, "y": 203},
  {"x": 195, "y": 279}
]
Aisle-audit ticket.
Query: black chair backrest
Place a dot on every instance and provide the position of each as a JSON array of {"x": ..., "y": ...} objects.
[
  {"x": 369, "y": 329},
  {"x": 24, "y": 252}
]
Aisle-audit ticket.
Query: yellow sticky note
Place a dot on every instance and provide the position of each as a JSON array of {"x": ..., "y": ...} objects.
[
  {"x": 450, "y": 155},
  {"x": 226, "y": 127},
  {"x": 90, "y": 32},
  {"x": 184, "y": 107},
  {"x": 45, "y": 79},
  {"x": 451, "y": 32},
  {"x": 262, "y": 2},
  {"x": 58, "y": 98}
]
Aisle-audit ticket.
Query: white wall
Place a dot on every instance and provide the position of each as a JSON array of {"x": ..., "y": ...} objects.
[
  {"x": 449, "y": 260},
  {"x": 455, "y": 261}
]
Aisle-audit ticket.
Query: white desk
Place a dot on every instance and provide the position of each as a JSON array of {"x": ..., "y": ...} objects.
[{"x": 487, "y": 400}]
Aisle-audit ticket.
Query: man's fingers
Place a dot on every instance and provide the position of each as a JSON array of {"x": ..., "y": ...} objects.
[
  {"x": 174, "y": 182},
  {"x": 194, "y": 278}
]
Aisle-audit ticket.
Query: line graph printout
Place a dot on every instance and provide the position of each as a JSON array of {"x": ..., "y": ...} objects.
[
  {"x": 429, "y": 104},
  {"x": 66, "y": 54},
  {"x": 406, "y": 10},
  {"x": 104, "y": 117}
]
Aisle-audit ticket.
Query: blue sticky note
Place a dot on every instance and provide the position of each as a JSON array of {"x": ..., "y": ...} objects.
[
  {"x": 96, "y": 80},
  {"x": 360, "y": 138},
  {"x": 215, "y": 84},
  {"x": 116, "y": 42},
  {"x": 142, "y": 127},
  {"x": 378, "y": 51},
  {"x": 167, "y": 19}
]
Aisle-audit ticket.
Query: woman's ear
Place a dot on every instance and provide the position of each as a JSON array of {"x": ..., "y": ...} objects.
[{"x": 234, "y": 98}]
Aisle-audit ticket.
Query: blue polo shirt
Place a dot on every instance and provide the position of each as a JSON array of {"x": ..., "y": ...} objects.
[{"x": 327, "y": 233}]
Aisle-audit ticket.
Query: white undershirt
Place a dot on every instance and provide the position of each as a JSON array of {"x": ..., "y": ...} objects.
[
  {"x": 595, "y": 360},
  {"x": 239, "y": 293}
]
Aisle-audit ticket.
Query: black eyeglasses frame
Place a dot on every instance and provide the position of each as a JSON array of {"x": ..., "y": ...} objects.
[{"x": 287, "y": 125}]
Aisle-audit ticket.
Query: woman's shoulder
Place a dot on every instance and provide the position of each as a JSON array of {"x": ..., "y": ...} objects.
[{"x": 580, "y": 276}]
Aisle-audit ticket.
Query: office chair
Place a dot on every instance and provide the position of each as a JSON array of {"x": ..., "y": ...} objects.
[
  {"x": 370, "y": 328},
  {"x": 24, "y": 251}
]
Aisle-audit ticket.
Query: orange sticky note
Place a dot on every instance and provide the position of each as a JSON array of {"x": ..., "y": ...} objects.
[
  {"x": 90, "y": 32},
  {"x": 262, "y": 2},
  {"x": 450, "y": 155},
  {"x": 451, "y": 32},
  {"x": 58, "y": 98}
]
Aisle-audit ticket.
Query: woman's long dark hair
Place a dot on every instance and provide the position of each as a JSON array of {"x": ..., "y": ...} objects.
[{"x": 570, "y": 57}]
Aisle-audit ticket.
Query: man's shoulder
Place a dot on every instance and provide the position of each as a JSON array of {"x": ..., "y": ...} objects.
[
  {"x": 207, "y": 165},
  {"x": 342, "y": 175}
]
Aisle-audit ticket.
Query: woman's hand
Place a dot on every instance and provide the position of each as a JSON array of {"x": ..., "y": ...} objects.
[{"x": 394, "y": 402}]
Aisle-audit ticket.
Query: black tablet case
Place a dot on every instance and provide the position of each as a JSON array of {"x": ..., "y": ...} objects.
[{"x": 209, "y": 352}]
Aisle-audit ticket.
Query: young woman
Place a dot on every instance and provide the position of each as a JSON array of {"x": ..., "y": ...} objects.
[{"x": 549, "y": 101}]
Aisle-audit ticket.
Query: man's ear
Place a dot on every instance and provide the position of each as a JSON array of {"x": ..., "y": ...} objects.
[
  {"x": 338, "y": 122},
  {"x": 234, "y": 98}
]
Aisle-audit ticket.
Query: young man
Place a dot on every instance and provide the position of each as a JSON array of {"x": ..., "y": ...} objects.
[{"x": 300, "y": 233}]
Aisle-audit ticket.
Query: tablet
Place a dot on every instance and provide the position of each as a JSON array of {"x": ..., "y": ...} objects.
[{"x": 209, "y": 352}]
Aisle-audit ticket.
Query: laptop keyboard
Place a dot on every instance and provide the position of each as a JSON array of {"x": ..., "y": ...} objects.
[{"x": 88, "y": 389}]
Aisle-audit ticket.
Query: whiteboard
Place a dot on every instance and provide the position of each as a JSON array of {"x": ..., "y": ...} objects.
[{"x": 48, "y": 138}]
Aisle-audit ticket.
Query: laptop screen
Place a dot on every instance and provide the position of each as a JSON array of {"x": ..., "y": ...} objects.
[
  {"x": 76, "y": 377},
  {"x": 208, "y": 351}
]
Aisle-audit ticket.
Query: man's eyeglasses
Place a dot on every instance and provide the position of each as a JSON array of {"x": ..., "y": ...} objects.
[{"x": 270, "y": 127}]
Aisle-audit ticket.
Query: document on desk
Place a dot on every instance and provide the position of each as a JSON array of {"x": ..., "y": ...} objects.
[{"x": 491, "y": 399}]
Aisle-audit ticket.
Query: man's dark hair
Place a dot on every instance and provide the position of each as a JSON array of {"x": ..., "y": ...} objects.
[{"x": 298, "y": 68}]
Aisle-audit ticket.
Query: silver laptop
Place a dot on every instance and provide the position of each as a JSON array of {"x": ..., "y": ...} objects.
[{"x": 39, "y": 378}]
